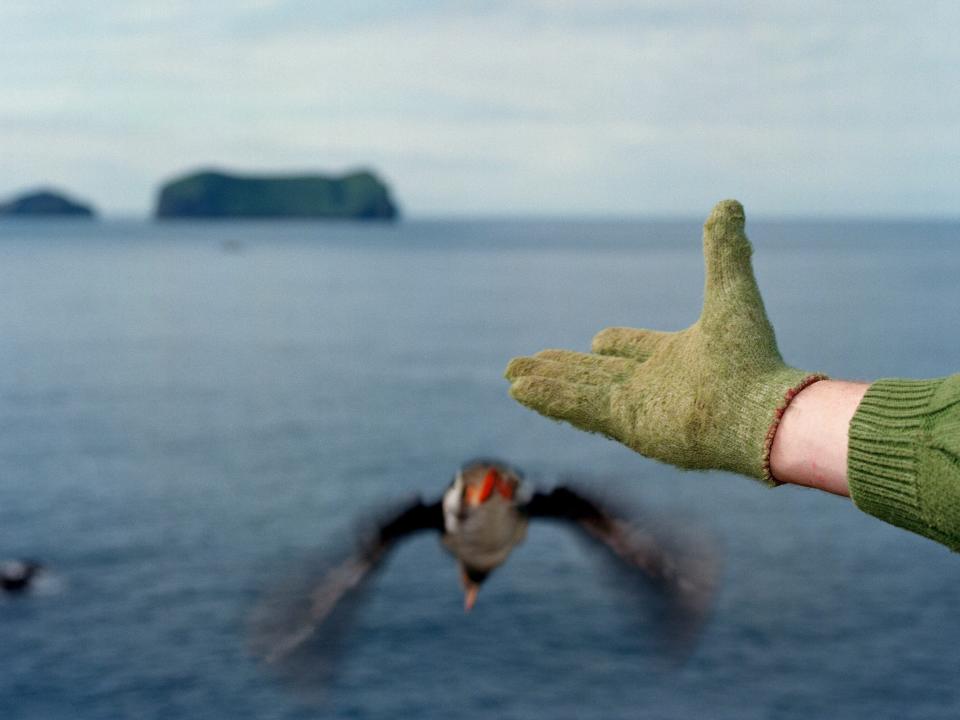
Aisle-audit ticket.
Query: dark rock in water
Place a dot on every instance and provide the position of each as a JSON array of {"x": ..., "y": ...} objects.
[
  {"x": 211, "y": 194},
  {"x": 45, "y": 203}
]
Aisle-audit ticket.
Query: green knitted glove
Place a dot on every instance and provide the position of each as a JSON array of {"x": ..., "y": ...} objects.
[{"x": 710, "y": 396}]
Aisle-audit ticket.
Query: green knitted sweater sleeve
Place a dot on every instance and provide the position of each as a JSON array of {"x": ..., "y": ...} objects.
[{"x": 904, "y": 459}]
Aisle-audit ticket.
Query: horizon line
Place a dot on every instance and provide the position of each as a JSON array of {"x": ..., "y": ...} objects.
[{"x": 543, "y": 217}]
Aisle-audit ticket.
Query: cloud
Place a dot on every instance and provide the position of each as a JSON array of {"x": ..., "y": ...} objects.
[{"x": 525, "y": 106}]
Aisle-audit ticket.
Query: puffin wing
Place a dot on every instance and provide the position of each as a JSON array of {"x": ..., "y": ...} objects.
[
  {"x": 627, "y": 542},
  {"x": 298, "y": 609},
  {"x": 686, "y": 579}
]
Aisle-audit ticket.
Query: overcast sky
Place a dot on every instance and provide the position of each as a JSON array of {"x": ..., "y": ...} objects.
[{"x": 500, "y": 107}]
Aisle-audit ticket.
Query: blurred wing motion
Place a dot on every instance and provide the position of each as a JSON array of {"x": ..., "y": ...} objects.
[
  {"x": 684, "y": 576},
  {"x": 292, "y": 615}
]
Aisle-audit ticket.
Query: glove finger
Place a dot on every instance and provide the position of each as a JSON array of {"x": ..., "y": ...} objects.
[
  {"x": 629, "y": 342},
  {"x": 731, "y": 288},
  {"x": 726, "y": 253},
  {"x": 590, "y": 366},
  {"x": 573, "y": 367},
  {"x": 584, "y": 406}
]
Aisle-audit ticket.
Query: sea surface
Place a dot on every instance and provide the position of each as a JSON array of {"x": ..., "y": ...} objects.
[{"x": 190, "y": 410}]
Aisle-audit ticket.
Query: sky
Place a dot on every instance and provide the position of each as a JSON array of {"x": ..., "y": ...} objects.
[{"x": 496, "y": 108}]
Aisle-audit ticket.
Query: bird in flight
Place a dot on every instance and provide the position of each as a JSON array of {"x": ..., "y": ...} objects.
[
  {"x": 17, "y": 575},
  {"x": 481, "y": 518}
]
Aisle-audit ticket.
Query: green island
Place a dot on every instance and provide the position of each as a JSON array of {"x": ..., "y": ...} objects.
[
  {"x": 45, "y": 203},
  {"x": 213, "y": 194}
]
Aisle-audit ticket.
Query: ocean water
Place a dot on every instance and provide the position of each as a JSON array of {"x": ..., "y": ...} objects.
[{"x": 189, "y": 410}]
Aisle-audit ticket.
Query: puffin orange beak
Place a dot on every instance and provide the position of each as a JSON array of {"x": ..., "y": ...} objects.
[
  {"x": 470, "y": 590},
  {"x": 470, "y": 596}
]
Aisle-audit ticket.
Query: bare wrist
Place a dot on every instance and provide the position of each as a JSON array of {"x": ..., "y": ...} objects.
[{"x": 810, "y": 447}]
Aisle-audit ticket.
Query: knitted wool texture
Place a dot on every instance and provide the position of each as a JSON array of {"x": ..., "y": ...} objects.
[
  {"x": 903, "y": 463},
  {"x": 709, "y": 396}
]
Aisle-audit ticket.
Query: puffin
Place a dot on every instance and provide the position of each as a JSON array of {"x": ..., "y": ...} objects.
[
  {"x": 481, "y": 518},
  {"x": 16, "y": 576}
]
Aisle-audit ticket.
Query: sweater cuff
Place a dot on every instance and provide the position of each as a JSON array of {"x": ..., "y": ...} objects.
[{"x": 884, "y": 445}]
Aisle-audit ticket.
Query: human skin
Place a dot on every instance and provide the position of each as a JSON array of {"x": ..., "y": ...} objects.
[{"x": 810, "y": 446}]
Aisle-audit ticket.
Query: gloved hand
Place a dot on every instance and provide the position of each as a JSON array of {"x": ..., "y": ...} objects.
[{"x": 710, "y": 396}]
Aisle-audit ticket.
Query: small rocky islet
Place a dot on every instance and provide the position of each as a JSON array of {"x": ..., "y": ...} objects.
[
  {"x": 213, "y": 194},
  {"x": 45, "y": 203}
]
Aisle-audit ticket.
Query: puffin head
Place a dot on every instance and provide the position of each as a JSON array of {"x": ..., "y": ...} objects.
[{"x": 483, "y": 480}]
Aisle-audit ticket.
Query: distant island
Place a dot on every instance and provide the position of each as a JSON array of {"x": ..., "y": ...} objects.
[
  {"x": 45, "y": 203},
  {"x": 212, "y": 194}
]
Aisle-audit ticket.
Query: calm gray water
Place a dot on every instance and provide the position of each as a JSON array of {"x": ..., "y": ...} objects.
[{"x": 178, "y": 424}]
